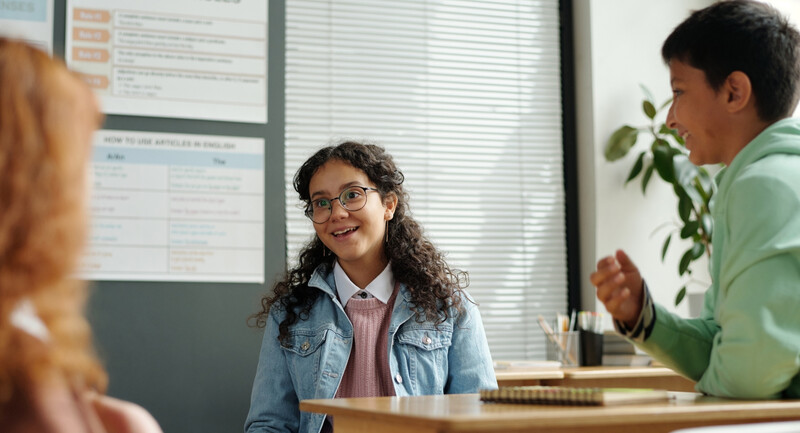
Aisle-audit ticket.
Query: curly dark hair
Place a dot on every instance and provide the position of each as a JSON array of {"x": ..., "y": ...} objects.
[{"x": 415, "y": 261}]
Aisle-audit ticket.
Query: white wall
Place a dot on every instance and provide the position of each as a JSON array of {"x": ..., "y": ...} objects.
[
  {"x": 791, "y": 9},
  {"x": 617, "y": 47}
]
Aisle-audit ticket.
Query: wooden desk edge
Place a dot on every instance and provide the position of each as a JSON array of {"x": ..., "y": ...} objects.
[
  {"x": 607, "y": 372},
  {"x": 729, "y": 412},
  {"x": 527, "y": 374},
  {"x": 599, "y": 372}
]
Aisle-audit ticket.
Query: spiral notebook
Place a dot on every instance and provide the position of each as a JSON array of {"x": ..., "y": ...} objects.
[{"x": 563, "y": 395}]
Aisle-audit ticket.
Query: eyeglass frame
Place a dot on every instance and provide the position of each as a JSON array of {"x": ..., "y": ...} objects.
[{"x": 309, "y": 212}]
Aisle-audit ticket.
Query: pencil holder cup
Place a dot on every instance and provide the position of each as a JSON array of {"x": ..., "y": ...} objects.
[
  {"x": 564, "y": 348},
  {"x": 591, "y": 348}
]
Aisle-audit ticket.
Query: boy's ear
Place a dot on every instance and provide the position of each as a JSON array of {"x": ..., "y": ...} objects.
[{"x": 739, "y": 91}]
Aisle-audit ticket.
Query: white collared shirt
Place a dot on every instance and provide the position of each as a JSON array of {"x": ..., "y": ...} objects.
[
  {"x": 381, "y": 287},
  {"x": 25, "y": 318}
]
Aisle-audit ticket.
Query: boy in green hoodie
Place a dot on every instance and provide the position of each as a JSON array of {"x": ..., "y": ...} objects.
[{"x": 734, "y": 70}]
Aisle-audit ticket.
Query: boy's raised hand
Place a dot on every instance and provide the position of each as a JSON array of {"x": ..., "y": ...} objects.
[{"x": 619, "y": 287}]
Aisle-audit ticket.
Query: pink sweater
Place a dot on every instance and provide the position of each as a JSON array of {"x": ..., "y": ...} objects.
[{"x": 367, "y": 373}]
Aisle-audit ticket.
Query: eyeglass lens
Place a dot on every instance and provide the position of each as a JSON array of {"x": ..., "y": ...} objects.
[{"x": 352, "y": 199}]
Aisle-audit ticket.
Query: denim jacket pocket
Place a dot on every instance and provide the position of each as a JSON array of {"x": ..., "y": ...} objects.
[
  {"x": 303, "y": 353},
  {"x": 422, "y": 351}
]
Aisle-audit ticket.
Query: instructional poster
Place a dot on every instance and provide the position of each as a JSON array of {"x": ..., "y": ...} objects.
[
  {"x": 176, "y": 207},
  {"x": 196, "y": 59},
  {"x": 29, "y": 20}
]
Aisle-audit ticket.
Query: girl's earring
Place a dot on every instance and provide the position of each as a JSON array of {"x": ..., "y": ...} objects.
[{"x": 386, "y": 233}]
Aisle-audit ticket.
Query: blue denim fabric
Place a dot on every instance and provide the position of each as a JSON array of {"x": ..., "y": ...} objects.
[{"x": 450, "y": 358}]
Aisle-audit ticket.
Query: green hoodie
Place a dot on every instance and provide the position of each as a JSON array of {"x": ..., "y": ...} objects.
[{"x": 746, "y": 343}]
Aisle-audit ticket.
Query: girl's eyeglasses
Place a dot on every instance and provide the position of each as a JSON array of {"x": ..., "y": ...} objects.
[{"x": 352, "y": 199}]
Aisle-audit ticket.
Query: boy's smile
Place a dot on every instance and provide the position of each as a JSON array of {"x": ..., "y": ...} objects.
[{"x": 698, "y": 113}]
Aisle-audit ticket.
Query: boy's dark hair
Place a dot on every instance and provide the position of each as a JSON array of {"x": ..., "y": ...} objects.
[{"x": 746, "y": 36}]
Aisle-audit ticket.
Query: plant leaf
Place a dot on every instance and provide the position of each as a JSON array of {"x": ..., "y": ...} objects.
[
  {"x": 685, "y": 171},
  {"x": 649, "y": 109},
  {"x": 662, "y": 159},
  {"x": 690, "y": 229},
  {"x": 684, "y": 207},
  {"x": 621, "y": 142},
  {"x": 674, "y": 134},
  {"x": 708, "y": 224},
  {"x": 686, "y": 260},
  {"x": 665, "y": 104},
  {"x": 648, "y": 173},
  {"x": 705, "y": 180},
  {"x": 664, "y": 248},
  {"x": 647, "y": 93},
  {"x": 697, "y": 250},
  {"x": 637, "y": 168},
  {"x": 681, "y": 294},
  {"x": 704, "y": 186}
]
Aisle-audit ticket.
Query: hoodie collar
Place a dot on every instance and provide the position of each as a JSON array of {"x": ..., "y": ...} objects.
[{"x": 782, "y": 136}]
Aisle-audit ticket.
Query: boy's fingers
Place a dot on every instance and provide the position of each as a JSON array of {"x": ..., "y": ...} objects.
[
  {"x": 605, "y": 262},
  {"x": 606, "y": 289},
  {"x": 597, "y": 278},
  {"x": 605, "y": 267},
  {"x": 625, "y": 261},
  {"x": 618, "y": 306},
  {"x": 614, "y": 303},
  {"x": 600, "y": 277}
]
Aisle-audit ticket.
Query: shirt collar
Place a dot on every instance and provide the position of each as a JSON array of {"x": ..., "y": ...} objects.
[
  {"x": 381, "y": 287},
  {"x": 25, "y": 318}
]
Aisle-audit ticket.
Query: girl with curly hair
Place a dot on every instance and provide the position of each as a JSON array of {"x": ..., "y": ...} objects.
[
  {"x": 371, "y": 309},
  {"x": 50, "y": 378}
]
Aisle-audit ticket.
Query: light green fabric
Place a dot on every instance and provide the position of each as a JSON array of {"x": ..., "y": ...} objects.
[{"x": 746, "y": 344}]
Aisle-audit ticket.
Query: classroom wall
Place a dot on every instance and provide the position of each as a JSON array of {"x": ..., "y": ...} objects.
[
  {"x": 790, "y": 9},
  {"x": 617, "y": 46},
  {"x": 183, "y": 350}
]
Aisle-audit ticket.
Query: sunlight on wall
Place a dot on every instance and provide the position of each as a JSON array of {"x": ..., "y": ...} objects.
[{"x": 790, "y": 8}]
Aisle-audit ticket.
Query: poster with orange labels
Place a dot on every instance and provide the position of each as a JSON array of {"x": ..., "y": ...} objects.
[{"x": 195, "y": 59}]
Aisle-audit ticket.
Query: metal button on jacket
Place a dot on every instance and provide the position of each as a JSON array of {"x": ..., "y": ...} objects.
[
  {"x": 398, "y": 378},
  {"x": 426, "y": 339},
  {"x": 305, "y": 345}
]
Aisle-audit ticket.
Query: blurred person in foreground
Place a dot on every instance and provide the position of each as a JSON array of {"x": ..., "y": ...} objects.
[{"x": 50, "y": 378}]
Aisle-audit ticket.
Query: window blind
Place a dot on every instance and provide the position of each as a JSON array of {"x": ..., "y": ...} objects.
[{"x": 466, "y": 95}]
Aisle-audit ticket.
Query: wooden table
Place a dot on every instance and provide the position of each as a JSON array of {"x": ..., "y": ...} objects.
[
  {"x": 615, "y": 377},
  {"x": 466, "y": 413},
  {"x": 522, "y": 376}
]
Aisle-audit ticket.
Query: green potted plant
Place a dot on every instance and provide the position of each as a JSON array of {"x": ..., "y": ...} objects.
[{"x": 667, "y": 156}]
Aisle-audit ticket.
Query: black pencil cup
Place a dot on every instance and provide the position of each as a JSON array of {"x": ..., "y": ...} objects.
[{"x": 591, "y": 348}]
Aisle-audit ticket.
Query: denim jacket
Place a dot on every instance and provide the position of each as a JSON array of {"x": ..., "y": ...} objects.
[{"x": 451, "y": 358}]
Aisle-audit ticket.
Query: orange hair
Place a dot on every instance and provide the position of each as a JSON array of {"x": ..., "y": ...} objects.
[{"x": 47, "y": 115}]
